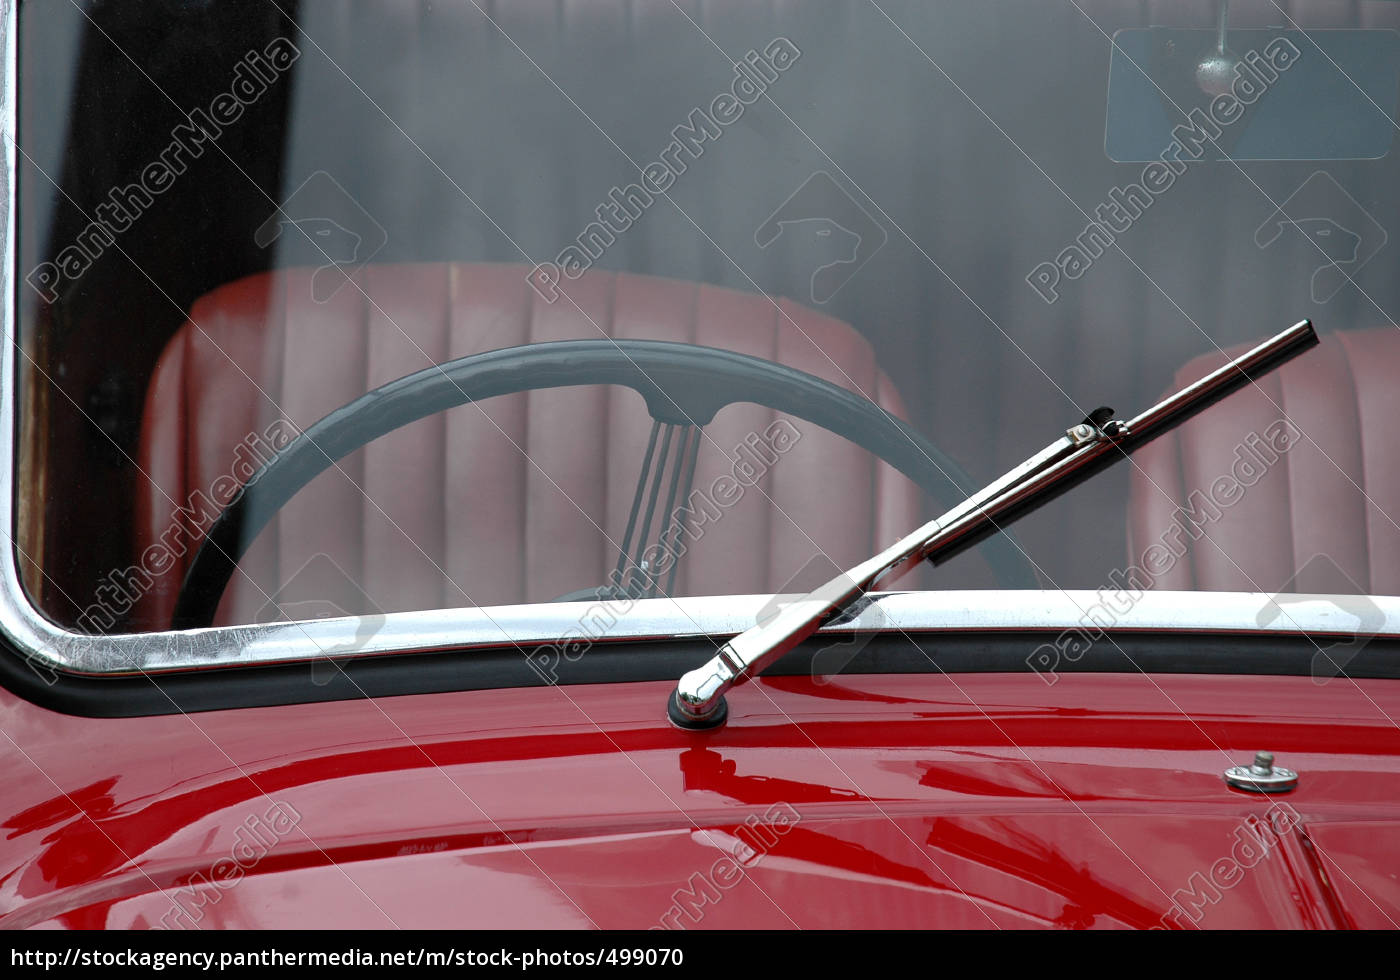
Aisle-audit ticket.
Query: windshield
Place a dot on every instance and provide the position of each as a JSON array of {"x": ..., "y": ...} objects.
[{"x": 892, "y": 249}]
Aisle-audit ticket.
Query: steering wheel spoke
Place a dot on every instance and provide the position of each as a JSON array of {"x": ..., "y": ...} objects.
[{"x": 635, "y": 573}]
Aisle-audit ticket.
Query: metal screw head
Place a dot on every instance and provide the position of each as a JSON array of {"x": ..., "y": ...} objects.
[{"x": 1262, "y": 776}]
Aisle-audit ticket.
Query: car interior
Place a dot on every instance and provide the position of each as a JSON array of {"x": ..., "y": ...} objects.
[{"x": 431, "y": 154}]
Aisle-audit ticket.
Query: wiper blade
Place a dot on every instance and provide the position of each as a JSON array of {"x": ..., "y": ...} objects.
[{"x": 1083, "y": 450}]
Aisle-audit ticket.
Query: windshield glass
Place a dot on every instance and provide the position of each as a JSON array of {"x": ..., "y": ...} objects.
[{"x": 926, "y": 237}]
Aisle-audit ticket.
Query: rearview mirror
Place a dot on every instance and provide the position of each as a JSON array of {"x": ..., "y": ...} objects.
[{"x": 1268, "y": 94}]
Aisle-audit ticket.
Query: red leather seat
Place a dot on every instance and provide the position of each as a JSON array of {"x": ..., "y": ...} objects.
[
  {"x": 1333, "y": 492},
  {"x": 448, "y": 511}
]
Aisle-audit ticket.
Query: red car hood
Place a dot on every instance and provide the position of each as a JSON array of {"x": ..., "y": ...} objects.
[{"x": 874, "y": 802}]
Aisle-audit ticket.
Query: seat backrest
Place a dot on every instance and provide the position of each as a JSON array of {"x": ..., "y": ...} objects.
[
  {"x": 508, "y": 500},
  {"x": 1297, "y": 476}
]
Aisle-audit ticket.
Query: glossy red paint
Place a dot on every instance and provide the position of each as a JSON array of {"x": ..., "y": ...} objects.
[{"x": 874, "y": 801}]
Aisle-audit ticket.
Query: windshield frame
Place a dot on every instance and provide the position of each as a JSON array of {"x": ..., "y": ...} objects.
[{"x": 51, "y": 651}]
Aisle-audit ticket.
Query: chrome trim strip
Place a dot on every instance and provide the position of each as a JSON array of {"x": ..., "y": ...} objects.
[
  {"x": 50, "y": 648},
  {"x": 530, "y": 627}
]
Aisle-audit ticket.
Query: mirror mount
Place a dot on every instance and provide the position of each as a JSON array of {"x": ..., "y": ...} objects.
[{"x": 1215, "y": 72}]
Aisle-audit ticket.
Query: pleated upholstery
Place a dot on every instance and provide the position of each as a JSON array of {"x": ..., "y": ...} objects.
[{"x": 1326, "y": 507}]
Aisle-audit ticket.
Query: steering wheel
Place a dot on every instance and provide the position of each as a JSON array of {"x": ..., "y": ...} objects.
[{"x": 683, "y": 386}]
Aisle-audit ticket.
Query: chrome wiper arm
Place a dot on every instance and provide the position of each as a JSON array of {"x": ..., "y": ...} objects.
[{"x": 1083, "y": 450}]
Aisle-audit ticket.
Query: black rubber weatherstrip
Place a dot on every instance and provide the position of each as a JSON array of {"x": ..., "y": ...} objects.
[{"x": 402, "y": 674}]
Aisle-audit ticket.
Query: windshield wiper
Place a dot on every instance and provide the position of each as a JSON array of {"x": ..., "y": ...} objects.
[{"x": 1081, "y": 452}]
